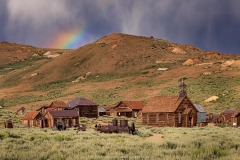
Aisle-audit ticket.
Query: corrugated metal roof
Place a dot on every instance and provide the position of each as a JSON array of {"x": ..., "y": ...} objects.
[
  {"x": 80, "y": 102},
  {"x": 199, "y": 108},
  {"x": 101, "y": 109},
  {"x": 64, "y": 113}
]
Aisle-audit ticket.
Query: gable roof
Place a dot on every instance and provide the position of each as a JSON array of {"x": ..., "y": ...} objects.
[
  {"x": 131, "y": 104},
  {"x": 236, "y": 113},
  {"x": 80, "y": 102},
  {"x": 31, "y": 115},
  {"x": 199, "y": 108},
  {"x": 107, "y": 108},
  {"x": 163, "y": 104},
  {"x": 57, "y": 104},
  {"x": 101, "y": 109},
  {"x": 64, "y": 113},
  {"x": 22, "y": 108}
]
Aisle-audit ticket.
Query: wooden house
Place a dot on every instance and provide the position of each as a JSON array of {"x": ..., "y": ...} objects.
[
  {"x": 20, "y": 111},
  {"x": 69, "y": 118},
  {"x": 225, "y": 117},
  {"x": 108, "y": 109},
  {"x": 33, "y": 119},
  {"x": 235, "y": 119},
  {"x": 172, "y": 111},
  {"x": 85, "y": 107},
  {"x": 128, "y": 109},
  {"x": 55, "y": 105}
]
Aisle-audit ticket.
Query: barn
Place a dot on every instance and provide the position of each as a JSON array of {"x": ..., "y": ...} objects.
[
  {"x": 235, "y": 119},
  {"x": 70, "y": 118},
  {"x": 33, "y": 119},
  {"x": 85, "y": 107},
  {"x": 128, "y": 109}
]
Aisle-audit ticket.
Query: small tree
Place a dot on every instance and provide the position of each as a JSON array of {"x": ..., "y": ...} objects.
[{"x": 2, "y": 102}]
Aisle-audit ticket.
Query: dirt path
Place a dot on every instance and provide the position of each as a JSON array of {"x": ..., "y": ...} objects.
[{"x": 155, "y": 138}]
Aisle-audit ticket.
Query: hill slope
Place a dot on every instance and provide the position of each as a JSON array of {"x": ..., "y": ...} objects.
[{"x": 120, "y": 66}]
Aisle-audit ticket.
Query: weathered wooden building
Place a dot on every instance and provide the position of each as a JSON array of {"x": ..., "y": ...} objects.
[
  {"x": 128, "y": 109},
  {"x": 85, "y": 107},
  {"x": 69, "y": 118},
  {"x": 172, "y": 111},
  {"x": 235, "y": 119},
  {"x": 225, "y": 117},
  {"x": 20, "y": 111},
  {"x": 211, "y": 119},
  {"x": 55, "y": 105},
  {"x": 33, "y": 119}
]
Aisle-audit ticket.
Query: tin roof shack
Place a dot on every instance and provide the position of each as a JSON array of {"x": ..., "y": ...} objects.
[
  {"x": 33, "y": 119},
  {"x": 235, "y": 119},
  {"x": 69, "y": 118},
  {"x": 128, "y": 109},
  {"x": 20, "y": 111},
  {"x": 101, "y": 111},
  {"x": 85, "y": 107},
  {"x": 172, "y": 111},
  {"x": 201, "y": 113},
  {"x": 225, "y": 117}
]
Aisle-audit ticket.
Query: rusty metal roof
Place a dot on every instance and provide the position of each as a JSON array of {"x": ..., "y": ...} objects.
[
  {"x": 131, "y": 104},
  {"x": 64, "y": 113},
  {"x": 163, "y": 104},
  {"x": 31, "y": 115},
  {"x": 236, "y": 113},
  {"x": 80, "y": 102},
  {"x": 58, "y": 104}
]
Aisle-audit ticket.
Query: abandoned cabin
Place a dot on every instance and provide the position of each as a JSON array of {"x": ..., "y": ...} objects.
[
  {"x": 33, "y": 119},
  {"x": 172, "y": 111},
  {"x": 128, "y": 109},
  {"x": 85, "y": 107},
  {"x": 55, "y": 105},
  {"x": 211, "y": 119},
  {"x": 225, "y": 117},
  {"x": 20, "y": 111},
  {"x": 235, "y": 119},
  {"x": 70, "y": 118}
]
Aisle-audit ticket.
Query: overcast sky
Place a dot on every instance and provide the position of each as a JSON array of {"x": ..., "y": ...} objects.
[{"x": 207, "y": 24}]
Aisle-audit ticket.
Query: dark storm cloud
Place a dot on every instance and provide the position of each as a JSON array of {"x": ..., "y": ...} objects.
[{"x": 208, "y": 24}]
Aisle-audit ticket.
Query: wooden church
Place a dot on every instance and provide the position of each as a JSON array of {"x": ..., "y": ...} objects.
[{"x": 170, "y": 111}]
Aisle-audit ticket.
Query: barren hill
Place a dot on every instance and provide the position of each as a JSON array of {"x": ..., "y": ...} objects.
[{"x": 118, "y": 67}]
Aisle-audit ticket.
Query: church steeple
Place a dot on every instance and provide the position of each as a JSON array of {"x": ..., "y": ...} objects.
[{"x": 182, "y": 87}]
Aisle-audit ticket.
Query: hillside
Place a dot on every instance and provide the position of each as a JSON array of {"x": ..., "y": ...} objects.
[{"x": 119, "y": 67}]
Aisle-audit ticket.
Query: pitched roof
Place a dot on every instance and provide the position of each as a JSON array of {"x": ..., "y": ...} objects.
[
  {"x": 22, "y": 108},
  {"x": 107, "y": 108},
  {"x": 101, "y": 109},
  {"x": 31, "y": 115},
  {"x": 132, "y": 104},
  {"x": 236, "y": 113},
  {"x": 163, "y": 104},
  {"x": 199, "y": 108},
  {"x": 80, "y": 102},
  {"x": 64, "y": 113},
  {"x": 57, "y": 104}
]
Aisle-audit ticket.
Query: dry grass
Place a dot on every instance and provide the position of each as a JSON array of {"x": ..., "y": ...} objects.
[{"x": 176, "y": 143}]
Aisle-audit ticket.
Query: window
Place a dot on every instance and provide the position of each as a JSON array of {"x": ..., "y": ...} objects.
[{"x": 179, "y": 117}]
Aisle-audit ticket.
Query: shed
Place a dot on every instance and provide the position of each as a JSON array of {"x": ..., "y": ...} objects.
[
  {"x": 20, "y": 111},
  {"x": 235, "y": 119},
  {"x": 8, "y": 124},
  {"x": 85, "y": 107},
  {"x": 101, "y": 111},
  {"x": 201, "y": 115},
  {"x": 68, "y": 117},
  {"x": 225, "y": 117},
  {"x": 33, "y": 119},
  {"x": 128, "y": 109}
]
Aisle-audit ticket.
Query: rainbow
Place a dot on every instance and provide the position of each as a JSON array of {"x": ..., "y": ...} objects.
[
  {"x": 75, "y": 37},
  {"x": 69, "y": 39}
]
